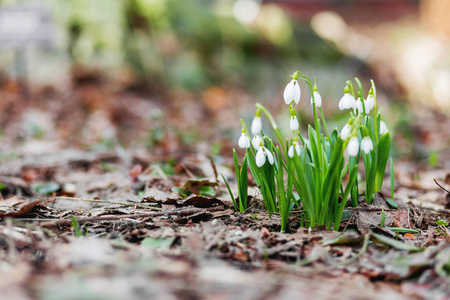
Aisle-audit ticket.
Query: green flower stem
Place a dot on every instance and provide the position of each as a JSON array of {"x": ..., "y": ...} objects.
[
  {"x": 325, "y": 127},
  {"x": 375, "y": 109},
  {"x": 244, "y": 127},
  {"x": 318, "y": 141},
  {"x": 358, "y": 82},
  {"x": 349, "y": 83},
  {"x": 274, "y": 126}
]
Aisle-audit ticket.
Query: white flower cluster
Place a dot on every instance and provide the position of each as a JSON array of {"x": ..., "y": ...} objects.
[
  {"x": 292, "y": 93},
  {"x": 353, "y": 144},
  {"x": 349, "y": 102},
  {"x": 257, "y": 142}
]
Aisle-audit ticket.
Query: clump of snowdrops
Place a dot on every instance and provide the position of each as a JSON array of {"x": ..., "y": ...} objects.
[{"x": 310, "y": 169}]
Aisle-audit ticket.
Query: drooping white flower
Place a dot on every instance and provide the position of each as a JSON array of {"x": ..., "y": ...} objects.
[
  {"x": 383, "y": 128},
  {"x": 297, "y": 149},
  {"x": 359, "y": 105},
  {"x": 269, "y": 156},
  {"x": 353, "y": 146},
  {"x": 369, "y": 103},
  {"x": 317, "y": 98},
  {"x": 366, "y": 145},
  {"x": 294, "y": 147},
  {"x": 291, "y": 151},
  {"x": 292, "y": 92},
  {"x": 244, "y": 141},
  {"x": 345, "y": 132},
  {"x": 256, "y": 141},
  {"x": 293, "y": 124},
  {"x": 261, "y": 156},
  {"x": 256, "y": 126},
  {"x": 347, "y": 102}
]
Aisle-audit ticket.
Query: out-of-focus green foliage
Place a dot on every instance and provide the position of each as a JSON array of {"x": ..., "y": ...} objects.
[{"x": 173, "y": 44}]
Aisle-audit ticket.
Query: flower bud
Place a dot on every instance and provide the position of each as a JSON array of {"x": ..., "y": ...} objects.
[
  {"x": 345, "y": 132},
  {"x": 244, "y": 141},
  {"x": 383, "y": 128},
  {"x": 292, "y": 92},
  {"x": 256, "y": 126},
  {"x": 353, "y": 146},
  {"x": 366, "y": 145}
]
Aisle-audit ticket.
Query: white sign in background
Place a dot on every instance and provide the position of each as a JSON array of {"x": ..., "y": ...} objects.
[{"x": 23, "y": 25}]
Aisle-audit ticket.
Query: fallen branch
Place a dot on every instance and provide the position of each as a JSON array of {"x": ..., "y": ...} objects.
[
  {"x": 137, "y": 204},
  {"x": 181, "y": 213}
]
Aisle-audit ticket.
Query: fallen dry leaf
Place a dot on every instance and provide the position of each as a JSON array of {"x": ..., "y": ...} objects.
[{"x": 23, "y": 209}]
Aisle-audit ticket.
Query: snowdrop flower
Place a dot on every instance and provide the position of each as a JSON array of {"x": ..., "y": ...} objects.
[
  {"x": 347, "y": 101},
  {"x": 256, "y": 126},
  {"x": 317, "y": 98},
  {"x": 293, "y": 124},
  {"x": 345, "y": 132},
  {"x": 353, "y": 146},
  {"x": 383, "y": 128},
  {"x": 370, "y": 102},
  {"x": 261, "y": 156},
  {"x": 256, "y": 141},
  {"x": 294, "y": 147},
  {"x": 359, "y": 105},
  {"x": 366, "y": 145},
  {"x": 292, "y": 91},
  {"x": 244, "y": 141}
]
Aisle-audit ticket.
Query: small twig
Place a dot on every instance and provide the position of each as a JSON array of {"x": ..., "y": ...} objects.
[
  {"x": 135, "y": 204},
  {"x": 183, "y": 212},
  {"x": 435, "y": 181},
  {"x": 188, "y": 171},
  {"x": 348, "y": 221},
  {"x": 369, "y": 209},
  {"x": 213, "y": 166}
]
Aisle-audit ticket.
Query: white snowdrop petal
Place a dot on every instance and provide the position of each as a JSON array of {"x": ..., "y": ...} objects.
[
  {"x": 383, "y": 128},
  {"x": 353, "y": 146},
  {"x": 244, "y": 141},
  {"x": 297, "y": 149},
  {"x": 291, "y": 151},
  {"x": 367, "y": 107},
  {"x": 269, "y": 156},
  {"x": 317, "y": 98},
  {"x": 256, "y": 126},
  {"x": 345, "y": 132},
  {"x": 370, "y": 103},
  {"x": 352, "y": 101},
  {"x": 341, "y": 102},
  {"x": 341, "y": 107},
  {"x": 359, "y": 105},
  {"x": 289, "y": 92},
  {"x": 297, "y": 92},
  {"x": 347, "y": 102},
  {"x": 293, "y": 124},
  {"x": 366, "y": 145},
  {"x": 260, "y": 157},
  {"x": 256, "y": 141}
]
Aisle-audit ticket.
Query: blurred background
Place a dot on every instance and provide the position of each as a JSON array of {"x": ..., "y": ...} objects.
[{"x": 169, "y": 76}]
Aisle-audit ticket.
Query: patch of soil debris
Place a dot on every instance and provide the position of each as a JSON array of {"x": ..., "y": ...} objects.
[
  {"x": 122, "y": 233},
  {"x": 84, "y": 218}
]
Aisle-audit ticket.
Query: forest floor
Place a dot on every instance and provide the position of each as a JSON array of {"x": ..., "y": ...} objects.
[{"x": 82, "y": 219}]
